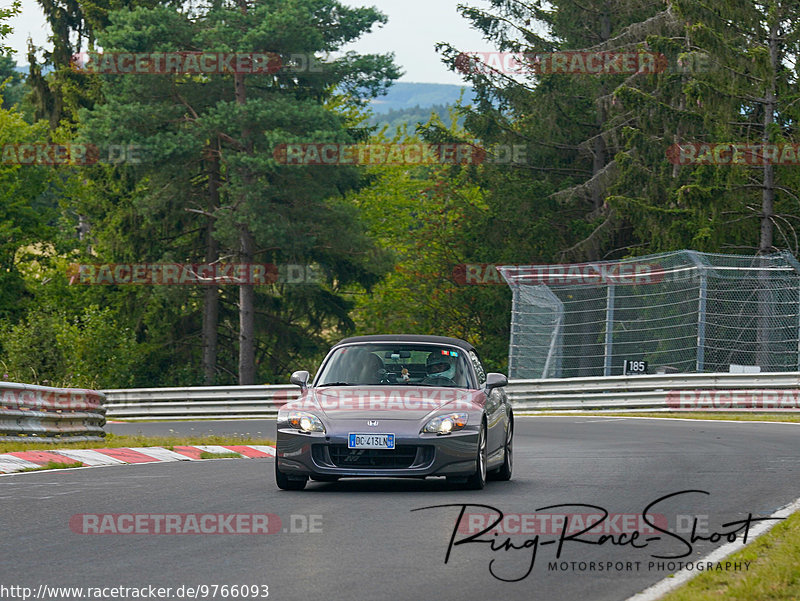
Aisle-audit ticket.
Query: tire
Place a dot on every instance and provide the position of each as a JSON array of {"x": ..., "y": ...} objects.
[
  {"x": 478, "y": 480},
  {"x": 503, "y": 473},
  {"x": 283, "y": 482}
]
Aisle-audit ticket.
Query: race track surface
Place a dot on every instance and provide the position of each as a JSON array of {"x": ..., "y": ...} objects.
[{"x": 368, "y": 542}]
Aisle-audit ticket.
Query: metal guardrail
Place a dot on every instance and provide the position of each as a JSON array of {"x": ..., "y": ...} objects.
[
  {"x": 198, "y": 402},
  {"x": 662, "y": 392},
  {"x": 669, "y": 392},
  {"x": 43, "y": 414}
]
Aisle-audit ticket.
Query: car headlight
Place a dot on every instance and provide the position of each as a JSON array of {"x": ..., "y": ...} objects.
[
  {"x": 305, "y": 422},
  {"x": 444, "y": 424}
]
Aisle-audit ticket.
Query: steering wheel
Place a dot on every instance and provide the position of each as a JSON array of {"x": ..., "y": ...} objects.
[{"x": 446, "y": 382}]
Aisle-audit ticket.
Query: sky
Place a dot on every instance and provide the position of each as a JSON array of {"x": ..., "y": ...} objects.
[{"x": 414, "y": 27}]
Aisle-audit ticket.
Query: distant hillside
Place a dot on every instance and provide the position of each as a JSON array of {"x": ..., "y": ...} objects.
[
  {"x": 25, "y": 69},
  {"x": 403, "y": 96},
  {"x": 411, "y": 117},
  {"x": 409, "y": 103},
  {"x": 413, "y": 103}
]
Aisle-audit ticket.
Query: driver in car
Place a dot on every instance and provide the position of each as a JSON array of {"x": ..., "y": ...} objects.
[{"x": 440, "y": 369}]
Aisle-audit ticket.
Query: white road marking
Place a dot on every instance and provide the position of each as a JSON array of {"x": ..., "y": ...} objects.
[
  {"x": 213, "y": 448},
  {"x": 89, "y": 457},
  {"x": 160, "y": 453},
  {"x": 670, "y": 583},
  {"x": 263, "y": 448},
  {"x": 9, "y": 463}
]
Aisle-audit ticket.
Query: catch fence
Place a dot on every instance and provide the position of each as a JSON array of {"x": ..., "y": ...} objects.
[{"x": 682, "y": 311}]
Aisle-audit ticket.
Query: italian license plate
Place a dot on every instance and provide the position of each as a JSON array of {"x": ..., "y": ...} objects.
[{"x": 370, "y": 441}]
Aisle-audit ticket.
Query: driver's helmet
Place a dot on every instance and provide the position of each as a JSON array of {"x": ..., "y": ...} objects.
[{"x": 440, "y": 366}]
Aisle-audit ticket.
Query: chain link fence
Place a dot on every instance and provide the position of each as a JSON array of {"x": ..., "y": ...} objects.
[{"x": 681, "y": 311}]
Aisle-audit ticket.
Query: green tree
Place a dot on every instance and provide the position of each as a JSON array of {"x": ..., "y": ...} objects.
[
  {"x": 27, "y": 209},
  {"x": 5, "y": 28},
  {"x": 58, "y": 91},
  {"x": 12, "y": 87},
  {"x": 213, "y": 177},
  {"x": 553, "y": 205},
  {"x": 422, "y": 215},
  {"x": 50, "y": 347}
]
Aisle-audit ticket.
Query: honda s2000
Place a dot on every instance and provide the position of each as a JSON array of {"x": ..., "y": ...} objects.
[{"x": 397, "y": 406}]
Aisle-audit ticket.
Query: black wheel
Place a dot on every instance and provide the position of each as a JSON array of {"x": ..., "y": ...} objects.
[
  {"x": 478, "y": 480},
  {"x": 504, "y": 471},
  {"x": 283, "y": 482}
]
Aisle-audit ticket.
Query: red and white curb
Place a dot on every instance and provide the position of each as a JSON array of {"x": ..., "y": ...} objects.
[{"x": 22, "y": 460}]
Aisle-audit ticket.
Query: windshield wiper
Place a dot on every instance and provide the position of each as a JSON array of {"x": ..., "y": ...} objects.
[{"x": 335, "y": 384}]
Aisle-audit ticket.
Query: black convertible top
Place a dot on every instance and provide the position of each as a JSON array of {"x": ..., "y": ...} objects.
[{"x": 409, "y": 338}]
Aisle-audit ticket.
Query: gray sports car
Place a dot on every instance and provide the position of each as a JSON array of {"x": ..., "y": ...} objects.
[{"x": 397, "y": 406}]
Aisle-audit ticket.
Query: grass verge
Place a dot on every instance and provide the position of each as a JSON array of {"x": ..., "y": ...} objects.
[
  {"x": 742, "y": 417},
  {"x": 231, "y": 455},
  {"x": 116, "y": 440},
  {"x": 773, "y": 574},
  {"x": 52, "y": 465}
]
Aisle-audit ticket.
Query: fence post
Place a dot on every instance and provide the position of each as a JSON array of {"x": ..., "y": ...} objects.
[
  {"x": 796, "y": 266},
  {"x": 609, "y": 331},
  {"x": 701, "y": 311},
  {"x": 701, "y": 322}
]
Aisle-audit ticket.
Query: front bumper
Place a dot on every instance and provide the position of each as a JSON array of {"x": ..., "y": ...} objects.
[{"x": 415, "y": 454}]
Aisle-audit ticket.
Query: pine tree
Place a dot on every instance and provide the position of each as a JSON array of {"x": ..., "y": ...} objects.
[
  {"x": 567, "y": 121},
  {"x": 212, "y": 140}
]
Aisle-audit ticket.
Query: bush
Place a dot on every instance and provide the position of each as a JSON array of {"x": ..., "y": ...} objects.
[{"x": 49, "y": 348}]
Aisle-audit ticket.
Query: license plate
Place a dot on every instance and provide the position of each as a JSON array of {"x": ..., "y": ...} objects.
[{"x": 370, "y": 441}]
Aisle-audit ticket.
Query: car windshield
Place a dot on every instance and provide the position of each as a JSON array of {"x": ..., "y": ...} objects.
[{"x": 395, "y": 364}]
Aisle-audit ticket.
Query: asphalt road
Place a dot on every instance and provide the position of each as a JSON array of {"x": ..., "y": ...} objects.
[{"x": 372, "y": 545}]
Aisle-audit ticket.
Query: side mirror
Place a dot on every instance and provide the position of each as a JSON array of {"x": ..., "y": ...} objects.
[
  {"x": 495, "y": 381},
  {"x": 300, "y": 378}
]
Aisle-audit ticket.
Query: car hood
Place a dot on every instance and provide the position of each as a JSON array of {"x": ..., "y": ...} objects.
[{"x": 386, "y": 402}]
